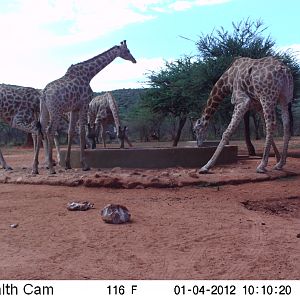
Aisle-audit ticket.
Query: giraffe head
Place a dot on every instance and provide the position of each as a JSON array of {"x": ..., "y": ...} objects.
[
  {"x": 200, "y": 130},
  {"x": 125, "y": 53}
]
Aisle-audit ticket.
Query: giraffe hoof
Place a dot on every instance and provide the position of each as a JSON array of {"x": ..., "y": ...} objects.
[
  {"x": 278, "y": 167},
  {"x": 8, "y": 168},
  {"x": 34, "y": 172},
  {"x": 261, "y": 170},
  {"x": 86, "y": 168},
  {"x": 68, "y": 166},
  {"x": 203, "y": 171}
]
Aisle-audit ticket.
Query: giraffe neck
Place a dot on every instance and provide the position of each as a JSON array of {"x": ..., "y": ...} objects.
[
  {"x": 219, "y": 91},
  {"x": 91, "y": 67},
  {"x": 114, "y": 109}
]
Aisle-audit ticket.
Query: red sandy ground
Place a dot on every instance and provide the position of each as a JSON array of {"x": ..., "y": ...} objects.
[{"x": 232, "y": 224}]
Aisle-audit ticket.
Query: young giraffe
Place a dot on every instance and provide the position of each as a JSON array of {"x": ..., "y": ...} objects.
[
  {"x": 254, "y": 83},
  {"x": 103, "y": 110},
  {"x": 72, "y": 93}
]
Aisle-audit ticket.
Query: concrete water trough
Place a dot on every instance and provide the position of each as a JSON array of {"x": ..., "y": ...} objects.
[{"x": 152, "y": 158}]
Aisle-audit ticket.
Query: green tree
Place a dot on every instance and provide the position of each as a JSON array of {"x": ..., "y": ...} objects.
[
  {"x": 245, "y": 40},
  {"x": 143, "y": 122},
  {"x": 175, "y": 91}
]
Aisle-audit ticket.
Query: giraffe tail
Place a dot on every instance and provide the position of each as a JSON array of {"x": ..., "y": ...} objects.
[
  {"x": 289, "y": 83},
  {"x": 44, "y": 117},
  {"x": 291, "y": 118},
  {"x": 39, "y": 129}
]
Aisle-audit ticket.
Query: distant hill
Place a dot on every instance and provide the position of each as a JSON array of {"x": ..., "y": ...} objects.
[{"x": 126, "y": 98}]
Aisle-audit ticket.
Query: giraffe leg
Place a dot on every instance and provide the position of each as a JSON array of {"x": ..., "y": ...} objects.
[
  {"x": 91, "y": 136},
  {"x": 41, "y": 137},
  {"x": 270, "y": 120},
  {"x": 250, "y": 147},
  {"x": 28, "y": 124},
  {"x": 286, "y": 136},
  {"x": 36, "y": 146},
  {"x": 121, "y": 136},
  {"x": 72, "y": 124},
  {"x": 50, "y": 133},
  {"x": 97, "y": 133},
  {"x": 3, "y": 163},
  {"x": 127, "y": 140},
  {"x": 238, "y": 113},
  {"x": 275, "y": 149},
  {"x": 57, "y": 146},
  {"x": 46, "y": 149},
  {"x": 82, "y": 134},
  {"x": 95, "y": 138},
  {"x": 50, "y": 138}
]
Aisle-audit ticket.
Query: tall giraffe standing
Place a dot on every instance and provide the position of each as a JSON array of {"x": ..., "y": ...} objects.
[
  {"x": 72, "y": 93},
  {"x": 254, "y": 83},
  {"x": 103, "y": 110}
]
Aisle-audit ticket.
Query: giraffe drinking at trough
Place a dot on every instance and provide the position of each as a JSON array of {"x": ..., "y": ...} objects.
[
  {"x": 103, "y": 110},
  {"x": 254, "y": 83}
]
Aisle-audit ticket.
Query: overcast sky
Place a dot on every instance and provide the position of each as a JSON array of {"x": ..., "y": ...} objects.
[{"x": 40, "y": 39}]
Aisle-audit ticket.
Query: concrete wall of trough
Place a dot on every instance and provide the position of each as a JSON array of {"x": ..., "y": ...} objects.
[{"x": 150, "y": 158}]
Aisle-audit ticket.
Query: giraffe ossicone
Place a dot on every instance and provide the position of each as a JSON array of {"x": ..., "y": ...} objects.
[{"x": 254, "y": 83}]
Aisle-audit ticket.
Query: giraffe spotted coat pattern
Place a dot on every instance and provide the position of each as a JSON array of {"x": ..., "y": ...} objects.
[
  {"x": 72, "y": 93},
  {"x": 103, "y": 110},
  {"x": 19, "y": 108},
  {"x": 254, "y": 83}
]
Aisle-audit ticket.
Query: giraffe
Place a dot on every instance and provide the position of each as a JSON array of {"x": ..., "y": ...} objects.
[
  {"x": 72, "y": 93},
  {"x": 20, "y": 109},
  {"x": 254, "y": 83},
  {"x": 103, "y": 110}
]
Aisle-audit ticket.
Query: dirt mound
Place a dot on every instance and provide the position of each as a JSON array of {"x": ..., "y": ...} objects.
[
  {"x": 281, "y": 207},
  {"x": 241, "y": 172}
]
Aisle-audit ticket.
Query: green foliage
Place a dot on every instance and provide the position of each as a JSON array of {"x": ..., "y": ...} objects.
[
  {"x": 246, "y": 40},
  {"x": 172, "y": 88},
  {"x": 143, "y": 122},
  {"x": 175, "y": 91}
]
